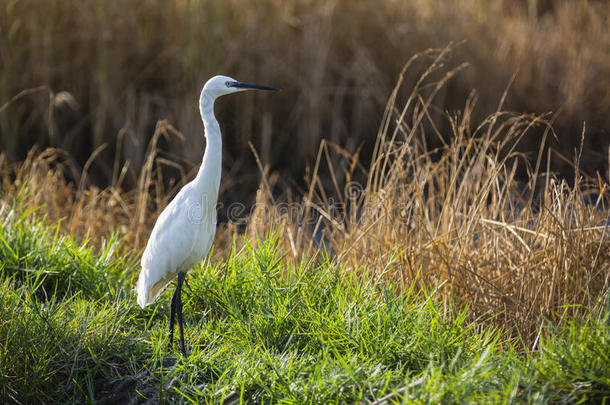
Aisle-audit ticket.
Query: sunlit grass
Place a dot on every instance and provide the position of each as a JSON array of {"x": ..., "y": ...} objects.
[
  {"x": 440, "y": 264},
  {"x": 261, "y": 329}
]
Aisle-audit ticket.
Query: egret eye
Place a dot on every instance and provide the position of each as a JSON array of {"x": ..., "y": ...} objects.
[{"x": 228, "y": 84}]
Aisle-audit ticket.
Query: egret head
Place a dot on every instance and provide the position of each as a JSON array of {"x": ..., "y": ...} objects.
[{"x": 220, "y": 85}]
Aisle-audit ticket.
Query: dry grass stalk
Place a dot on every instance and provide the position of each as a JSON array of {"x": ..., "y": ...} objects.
[
  {"x": 47, "y": 181},
  {"x": 458, "y": 216}
]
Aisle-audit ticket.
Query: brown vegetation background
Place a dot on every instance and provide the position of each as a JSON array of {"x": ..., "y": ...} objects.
[{"x": 111, "y": 70}]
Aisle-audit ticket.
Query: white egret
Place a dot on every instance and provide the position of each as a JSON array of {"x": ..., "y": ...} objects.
[{"x": 183, "y": 233}]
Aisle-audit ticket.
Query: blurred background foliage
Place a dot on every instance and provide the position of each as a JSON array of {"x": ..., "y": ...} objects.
[{"x": 86, "y": 74}]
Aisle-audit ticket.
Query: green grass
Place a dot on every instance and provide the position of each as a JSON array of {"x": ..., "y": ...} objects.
[{"x": 262, "y": 330}]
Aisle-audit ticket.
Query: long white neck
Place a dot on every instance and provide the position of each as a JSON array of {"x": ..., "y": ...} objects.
[{"x": 208, "y": 177}]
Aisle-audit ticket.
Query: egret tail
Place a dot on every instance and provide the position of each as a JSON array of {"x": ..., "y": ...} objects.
[{"x": 148, "y": 289}]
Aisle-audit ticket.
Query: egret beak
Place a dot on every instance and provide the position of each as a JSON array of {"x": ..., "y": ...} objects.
[{"x": 242, "y": 85}]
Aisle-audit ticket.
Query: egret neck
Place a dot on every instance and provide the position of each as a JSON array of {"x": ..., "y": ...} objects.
[{"x": 208, "y": 176}]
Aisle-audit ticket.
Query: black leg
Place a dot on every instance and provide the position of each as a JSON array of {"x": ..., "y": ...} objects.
[
  {"x": 181, "y": 277},
  {"x": 171, "y": 318}
]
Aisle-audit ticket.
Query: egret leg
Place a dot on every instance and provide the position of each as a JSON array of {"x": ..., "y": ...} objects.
[
  {"x": 172, "y": 312},
  {"x": 181, "y": 277}
]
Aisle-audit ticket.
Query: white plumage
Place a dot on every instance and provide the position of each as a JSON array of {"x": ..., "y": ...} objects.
[
  {"x": 184, "y": 232},
  {"x": 177, "y": 242}
]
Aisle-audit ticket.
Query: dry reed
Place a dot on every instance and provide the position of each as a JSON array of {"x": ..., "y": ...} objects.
[{"x": 457, "y": 216}]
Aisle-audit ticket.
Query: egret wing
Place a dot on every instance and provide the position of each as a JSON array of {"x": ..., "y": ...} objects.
[{"x": 172, "y": 240}]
